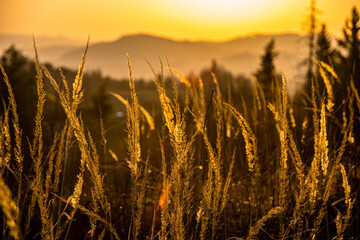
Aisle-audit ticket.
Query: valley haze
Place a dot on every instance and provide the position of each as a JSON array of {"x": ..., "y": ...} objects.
[{"x": 239, "y": 55}]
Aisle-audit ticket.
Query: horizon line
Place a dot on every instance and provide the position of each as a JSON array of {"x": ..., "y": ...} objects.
[{"x": 159, "y": 35}]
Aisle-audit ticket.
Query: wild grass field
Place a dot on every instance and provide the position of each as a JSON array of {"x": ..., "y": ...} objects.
[
  {"x": 207, "y": 169},
  {"x": 210, "y": 157}
]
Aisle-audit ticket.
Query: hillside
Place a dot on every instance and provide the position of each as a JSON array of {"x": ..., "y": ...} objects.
[{"x": 239, "y": 55}]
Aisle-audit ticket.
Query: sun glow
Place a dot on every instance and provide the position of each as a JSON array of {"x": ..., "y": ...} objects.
[
  {"x": 225, "y": 7},
  {"x": 217, "y": 6},
  {"x": 220, "y": 10},
  {"x": 189, "y": 19}
]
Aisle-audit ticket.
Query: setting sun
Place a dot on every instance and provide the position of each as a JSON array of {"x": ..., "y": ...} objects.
[
  {"x": 227, "y": 9},
  {"x": 187, "y": 19}
]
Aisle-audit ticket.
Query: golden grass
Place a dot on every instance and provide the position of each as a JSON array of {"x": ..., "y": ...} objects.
[
  {"x": 135, "y": 158},
  {"x": 328, "y": 86},
  {"x": 215, "y": 190},
  {"x": 148, "y": 117},
  {"x": 302, "y": 197},
  {"x": 5, "y": 144},
  {"x": 254, "y": 230},
  {"x": 18, "y": 155},
  {"x": 11, "y": 210}
]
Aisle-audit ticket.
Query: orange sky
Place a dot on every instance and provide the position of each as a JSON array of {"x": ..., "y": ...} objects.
[{"x": 179, "y": 19}]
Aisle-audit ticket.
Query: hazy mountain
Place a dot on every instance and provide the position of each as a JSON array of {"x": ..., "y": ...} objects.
[
  {"x": 240, "y": 55},
  {"x": 49, "y": 48}
]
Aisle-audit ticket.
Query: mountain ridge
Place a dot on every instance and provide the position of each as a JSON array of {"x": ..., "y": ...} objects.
[{"x": 239, "y": 55}]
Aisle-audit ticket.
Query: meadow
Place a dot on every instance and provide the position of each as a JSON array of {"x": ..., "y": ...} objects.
[{"x": 208, "y": 159}]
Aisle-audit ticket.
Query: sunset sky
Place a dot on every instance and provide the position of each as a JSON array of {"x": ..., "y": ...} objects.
[{"x": 179, "y": 19}]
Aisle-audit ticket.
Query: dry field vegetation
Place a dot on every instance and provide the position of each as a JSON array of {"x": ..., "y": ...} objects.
[{"x": 224, "y": 171}]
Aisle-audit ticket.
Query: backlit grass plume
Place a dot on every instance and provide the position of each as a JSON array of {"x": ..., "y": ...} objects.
[
  {"x": 138, "y": 172},
  {"x": 5, "y": 141},
  {"x": 179, "y": 178},
  {"x": 18, "y": 155},
  {"x": 146, "y": 114},
  {"x": 215, "y": 190},
  {"x": 293, "y": 179},
  {"x": 89, "y": 157},
  {"x": 250, "y": 142},
  {"x": 10, "y": 210}
]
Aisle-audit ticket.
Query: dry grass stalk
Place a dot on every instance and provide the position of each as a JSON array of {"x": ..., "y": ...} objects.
[
  {"x": 215, "y": 190},
  {"x": 134, "y": 149},
  {"x": 251, "y": 155},
  {"x": 99, "y": 219},
  {"x": 330, "y": 95},
  {"x": 280, "y": 112},
  {"x": 288, "y": 147},
  {"x": 166, "y": 186},
  {"x": 146, "y": 114},
  {"x": 254, "y": 230},
  {"x": 181, "y": 76},
  {"x": 314, "y": 169},
  {"x": 284, "y": 178},
  {"x": 328, "y": 187},
  {"x": 328, "y": 68},
  {"x": 60, "y": 156},
  {"x": 60, "y": 162},
  {"x": 311, "y": 193},
  {"x": 18, "y": 155},
  {"x": 329, "y": 180},
  {"x": 219, "y": 97},
  {"x": 220, "y": 104},
  {"x": 250, "y": 142},
  {"x": 42, "y": 182},
  {"x": 10, "y": 209},
  {"x": 91, "y": 214},
  {"x": 5, "y": 144},
  {"x": 260, "y": 97},
  {"x": 323, "y": 142},
  {"x": 180, "y": 194},
  {"x": 89, "y": 156},
  {"x": 76, "y": 124},
  {"x": 292, "y": 117},
  {"x": 342, "y": 220},
  {"x": 356, "y": 93},
  {"x": 197, "y": 96}
]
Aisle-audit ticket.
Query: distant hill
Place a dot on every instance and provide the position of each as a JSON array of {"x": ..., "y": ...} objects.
[
  {"x": 50, "y": 48},
  {"x": 240, "y": 55}
]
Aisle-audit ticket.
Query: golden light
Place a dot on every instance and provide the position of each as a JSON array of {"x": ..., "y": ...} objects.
[
  {"x": 220, "y": 10},
  {"x": 222, "y": 7},
  {"x": 189, "y": 19}
]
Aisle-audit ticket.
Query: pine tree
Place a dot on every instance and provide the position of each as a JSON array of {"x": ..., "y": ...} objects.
[
  {"x": 324, "y": 53},
  {"x": 21, "y": 73},
  {"x": 351, "y": 44},
  {"x": 266, "y": 74},
  {"x": 350, "y": 61},
  {"x": 323, "y": 50}
]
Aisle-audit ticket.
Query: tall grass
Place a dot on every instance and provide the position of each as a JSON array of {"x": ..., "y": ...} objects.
[{"x": 200, "y": 151}]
